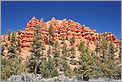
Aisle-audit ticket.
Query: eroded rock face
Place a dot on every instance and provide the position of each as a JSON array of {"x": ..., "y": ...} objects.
[{"x": 67, "y": 27}]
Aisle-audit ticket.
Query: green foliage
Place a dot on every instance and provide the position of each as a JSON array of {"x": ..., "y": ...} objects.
[
  {"x": 69, "y": 72},
  {"x": 13, "y": 66},
  {"x": 51, "y": 36},
  {"x": 72, "y": 41},
  {"x": 113, "y": 65},
  {"x": 2, "y": 50},
  {"x": 63, "y": 62},
  {"x": 50, "y": 41},
  {"x": 81, "y": 46},
  {"x": 36, "y": 64},
  {"x": 101, "y": 63},
  {"x": 36, "y": 52},
  {"x": 56, "y": 53},
  {"x": 63, "y": 65},
  {"x": 52, "y": 68},
  {"x": 44, "y": 70},
  {"x": 76, "y": 71},
  {"x": 97, "y": 49},
  {"x": 64, "y": 50},
  {"x": 108, "y": 64},
  {"x": 18, "y": 42},
  {"x": 86, "y": 63},
  {"x": 48, "y": 69},
  {"x": 5, "y": 69},
  {"x": 72, "y": 49}
]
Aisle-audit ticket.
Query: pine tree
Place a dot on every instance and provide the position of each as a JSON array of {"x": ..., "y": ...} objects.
[
  {"x": 107, "y": 62},
  {"x": 48, "y": 69},
  {"x": 69, "y": 72},
  {"x": 86, "y": 63},
  {"x": 118, "y": 76},
  {"x": 12, "y": 63},
  {"x": 5, "y": 70},
  {"x": 54, "y": 48},
  {"x": 2, "y": 50},
  {"x": 50, "y": 40},
  {"x": 99, "y": 56},
  {"x": 97, "y": 70},
  {"x": 36, "y": 56},
  {"x": 63, "y": 62},
  {"x": 12, "y": 46},
  {"x": 51, "y": 35},
  {"x": 45, "y": 72},
  {"x": 56, "y": 52},
  {"x": 112, "y": 62},
  {"x": 72, "y": 50},
  {"x": 8, "y": 34},
  {"x": 52, "y": 68},
  {"x": 72, "y": 41},
  {"x": 64, "y": 51},
  {"x": 102, "y": 52},
  {"x": 18, "y": 42},
  {"x": 97, "y": 49},
  {"x": 64, "y": 48}
]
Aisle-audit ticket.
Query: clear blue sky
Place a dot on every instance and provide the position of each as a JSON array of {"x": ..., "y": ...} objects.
[{"x": 102, "y": 16}]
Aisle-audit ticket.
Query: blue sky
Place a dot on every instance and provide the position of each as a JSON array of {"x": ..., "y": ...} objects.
[{"x": 102, "y": 16}]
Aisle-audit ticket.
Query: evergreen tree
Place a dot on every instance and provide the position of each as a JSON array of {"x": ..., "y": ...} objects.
[
  {"x": 72, "y": 50},
  {"x": 97, "y": 49},
  {"x": 52, "y": 68},
  {"x": 2, "y": 50},
  {"x": 12, "y": 46},
  {"x": 44, "y": 70},
  {"x": 8, "y": 34},
  {"x": 56, "y": 52},
  {"x": 72, "y": 41},
  {"x": 119, "y": 63},
  {"x": 63, "y": 62},
  {"x": 86, "y": 63},
  {"x": 36, "y": 56},
  {"x": 64, "y": 48},
  {"x": 107, "y": 61},
  {"x": 113, "y": 65},
  {"x": 102, "y": 52},
  {"x": 48, "y": 69},
  {"x": 50, "y": 41},
  {"x": 12, "y": 64},
  {"x": 69, "y": 72},
  {"x": 18, "y": 42},
  {"x": 5, "y": 70},
  {"x": 51, "y": 35},
  {"x": 64, "y": 51}
]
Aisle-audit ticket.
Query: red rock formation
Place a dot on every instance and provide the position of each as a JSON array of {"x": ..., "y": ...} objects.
[{"x": 67, "y": 27}]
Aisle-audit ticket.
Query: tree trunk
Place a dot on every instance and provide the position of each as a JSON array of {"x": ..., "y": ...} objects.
[{"x": 35, "y": 69}]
